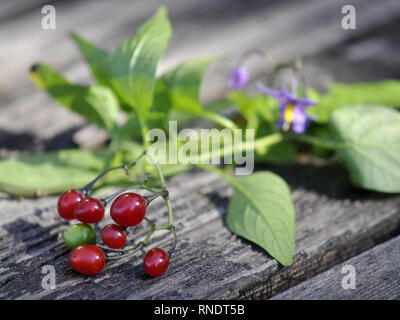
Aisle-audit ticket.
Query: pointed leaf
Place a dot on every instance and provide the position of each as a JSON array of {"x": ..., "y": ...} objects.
[
  {"x": 261, "y": 210},
  {"x": 96, "y": 104},
  {"x": 184, "y": 84},
  {"x": 133, "y": 64},
  {"x": 96, "y": 58},
  {"x": 51, "y": 172}
]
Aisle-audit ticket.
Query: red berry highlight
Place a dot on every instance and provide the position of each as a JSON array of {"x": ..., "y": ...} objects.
[
  {"x": 87, "y": 259},
  {"x": 128, "y": 209},
  {"x": 67, "y": 202},
  {"x": 113, "y": 236},
  {"x": 89, "y": 210},
  {"x": 155, "y": 262}
]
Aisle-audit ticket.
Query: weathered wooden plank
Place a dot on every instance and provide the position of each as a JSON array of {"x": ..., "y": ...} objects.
[
  {"x": 334, "y": 223},
  {"x": 376, "y": 277},
  {"x": 11, "y": 9}
]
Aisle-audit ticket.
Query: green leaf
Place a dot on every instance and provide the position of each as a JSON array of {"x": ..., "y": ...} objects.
[
  {"x": 133, "y": 64},
  {"x": 129, "y": 129},
  {"x": 254, "y": 107},
  {"x": 158, "y": 116},
  {"x": 51, "y": 172},
  {"x": 370, "y": 145},
  {"x": 96, "y": 58},
  {"x": 184, "y": 117},
  {"x": 281, "y": 153},
  {"x": 261, "y": 210},
  {"x": 96, "y": 104},
  {"x": 385, "y": 93},
  {"x": 184, "y": 84},
  {"x": 55, "y": 172},
  {"x": 160, "y": 110}
]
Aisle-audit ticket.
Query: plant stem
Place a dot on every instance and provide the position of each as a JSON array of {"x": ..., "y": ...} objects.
[
  {"x": 162, "y": 180},
  {"x": 169, "y": 226},
  {"x": 259, "y": 143},
  {"x": 105, "y": 201},
  {"x": 125, "y": 167},
  {"x": 150, "y": 198},
  {"x": 143, "y": 129},
  {"x": 324, "y": 143},
  {"x": 218, "y": 119},
  {"x": 173, "y": 247},
  {"x": 157, "y": 166},
  {"x": 145, "y": 241}
]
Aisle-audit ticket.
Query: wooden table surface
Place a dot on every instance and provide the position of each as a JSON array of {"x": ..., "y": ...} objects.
[{"x": 337, "y": 225}]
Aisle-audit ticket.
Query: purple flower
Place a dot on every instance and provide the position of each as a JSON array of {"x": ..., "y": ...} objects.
[
  {"x": 238, "y": 78},
  {"x": 292, "y": 110}
]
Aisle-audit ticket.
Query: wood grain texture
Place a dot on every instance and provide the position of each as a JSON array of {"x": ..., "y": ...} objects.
[
  {"x": 377, "y": 277},
  {"x": 334, "y": 223}
]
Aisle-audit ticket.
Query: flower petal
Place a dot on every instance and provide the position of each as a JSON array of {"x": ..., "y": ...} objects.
[
  {"x": 289, "y": 97},
  {"x": 305, "y": 101},
  {"x": 300, "y": 120},
  {"x": 238, "y": 78}
]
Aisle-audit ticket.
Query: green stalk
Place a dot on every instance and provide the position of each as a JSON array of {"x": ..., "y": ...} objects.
[
  {"x": 324, "y": 143},
  {"x": 143, "y": 129},
  {"x": 218, "y": 119},
  {"x": 259, "y": 143},
  {"x": 162, "y": 180}
]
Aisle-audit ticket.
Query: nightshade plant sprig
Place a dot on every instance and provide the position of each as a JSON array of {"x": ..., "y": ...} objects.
[
  {"x": 128, "y": 209},
  {"x": 358, "y": 122}
]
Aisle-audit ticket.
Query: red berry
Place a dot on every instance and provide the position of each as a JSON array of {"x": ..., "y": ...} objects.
[
  {"x": 87, "y": 259},
  {"x": 89, "y": 210},
  {"x": 155, "y": 262},
  {"x": 113, "y": 236},
  {"x": 67, "y": 203},
  {"x": 128, "y": 209}
]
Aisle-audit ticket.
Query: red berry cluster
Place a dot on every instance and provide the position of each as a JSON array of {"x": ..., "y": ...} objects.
[{"x": 127, "y": 210}]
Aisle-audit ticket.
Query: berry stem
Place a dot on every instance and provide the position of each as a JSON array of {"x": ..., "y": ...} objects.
[
  {"x": 153, "y": 227},
  {"x": 146, "y": 240},
  {"x": 163, "y": 193},
  {"x": 162, "y": 180},
  {"x": 173, "y": 247},
  {"x": 143, "y": 129},
  {"x": 125, "y": 167}
]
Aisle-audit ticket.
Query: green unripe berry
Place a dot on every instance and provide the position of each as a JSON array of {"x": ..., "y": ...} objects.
[{"x": 79, "y": 234}]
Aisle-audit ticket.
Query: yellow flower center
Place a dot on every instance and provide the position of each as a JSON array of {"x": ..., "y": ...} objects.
[{"x": 288, "y": 113}]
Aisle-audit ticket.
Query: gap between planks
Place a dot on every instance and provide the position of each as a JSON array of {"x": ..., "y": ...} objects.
[{"x": 376, "y": 276}]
